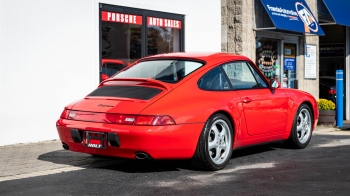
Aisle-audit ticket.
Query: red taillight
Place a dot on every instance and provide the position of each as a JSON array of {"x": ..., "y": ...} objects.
[
  {"x": 120, "y": 119},
  {"x": 144, "y": 120},
  {"x": 116, "y": 118},
  {"x": 64, "y": 114},
  {"x": 332, "y": 91},
  {"x": 154, "y": 120}
]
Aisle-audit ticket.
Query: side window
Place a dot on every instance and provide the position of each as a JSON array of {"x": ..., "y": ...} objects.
[
  {"x": 214, "y": 80},
  {"x": 242, "y": 76},
  {"x": 261, "y": 82}
]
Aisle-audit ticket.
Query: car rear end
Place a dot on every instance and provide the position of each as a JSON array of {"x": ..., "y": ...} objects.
[{"x": 110, "y": 122}]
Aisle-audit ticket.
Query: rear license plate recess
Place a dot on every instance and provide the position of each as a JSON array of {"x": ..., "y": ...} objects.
[{"x": 95, "y": 139}]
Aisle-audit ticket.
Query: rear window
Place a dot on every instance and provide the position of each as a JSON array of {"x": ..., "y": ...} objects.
[{"x": 170, "y": 71}]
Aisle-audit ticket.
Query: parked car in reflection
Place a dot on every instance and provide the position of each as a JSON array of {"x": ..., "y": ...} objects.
[
  {"x": 327, "y": 88},
  {"x": 196, "y": 106},
  {"x": 111, "y": 66}
]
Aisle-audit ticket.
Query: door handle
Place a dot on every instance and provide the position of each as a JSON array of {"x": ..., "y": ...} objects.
[{"x": 247, "y": 100}]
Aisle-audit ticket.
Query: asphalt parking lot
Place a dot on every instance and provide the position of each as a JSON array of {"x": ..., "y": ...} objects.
[{"x": 46, "y": 169}]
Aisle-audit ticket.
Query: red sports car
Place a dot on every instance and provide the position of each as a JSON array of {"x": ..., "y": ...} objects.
[{"x": 197, "y": 106}]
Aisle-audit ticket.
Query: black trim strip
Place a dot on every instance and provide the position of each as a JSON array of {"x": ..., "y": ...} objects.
[{"x": 132, "y": 92}]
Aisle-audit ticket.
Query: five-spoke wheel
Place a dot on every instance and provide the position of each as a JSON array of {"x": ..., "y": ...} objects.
[
  {"x": 301, "y": 132},
  {"x": 304, "y": 125},
  {"x": 219, "y": 141},
  {"x": 214, "y": 148}
]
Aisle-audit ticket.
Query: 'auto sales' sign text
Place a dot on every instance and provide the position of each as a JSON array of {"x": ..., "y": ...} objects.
[
  {"x": 120, "y": 17},
  {"x": 162, "y": 22}
]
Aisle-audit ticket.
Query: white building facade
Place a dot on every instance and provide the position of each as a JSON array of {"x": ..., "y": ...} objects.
[{"x": 50, "y": 52}]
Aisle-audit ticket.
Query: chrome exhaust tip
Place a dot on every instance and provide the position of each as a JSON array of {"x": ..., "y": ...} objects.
[
  {"x": 142, "y": 156},
  {"x": 65, "y": 146}
]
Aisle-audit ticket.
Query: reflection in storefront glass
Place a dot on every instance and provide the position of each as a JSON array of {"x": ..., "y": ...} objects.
[
  {"x": 121, "y": 41},
  {"x": 267, "y": 56},
  {"x": 289, "y": 70},
  {"x": 162, "y": 40}
]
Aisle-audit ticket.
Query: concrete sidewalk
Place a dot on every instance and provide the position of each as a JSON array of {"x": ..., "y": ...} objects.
[{"x": 44, "y": 158}]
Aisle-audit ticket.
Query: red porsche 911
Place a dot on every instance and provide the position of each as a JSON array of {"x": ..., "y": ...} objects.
[{"x": 197, "y": 106}]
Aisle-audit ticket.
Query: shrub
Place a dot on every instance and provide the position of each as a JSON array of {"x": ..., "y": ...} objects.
[{"x": 324, "y": 104}]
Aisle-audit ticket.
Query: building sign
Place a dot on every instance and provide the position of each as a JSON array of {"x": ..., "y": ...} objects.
[
  {"x": 289, "y": 64},
  {"x": 332, "y": 50},
  {"x": 162, "y": 22},
  {"x": 121, "y": 18},
  {"x": 309, "y": 20},
  {"x": 292, "y": 16},
  {"x": 310, "y": 62}
]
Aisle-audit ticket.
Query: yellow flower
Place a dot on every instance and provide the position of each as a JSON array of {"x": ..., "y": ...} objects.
[{"x": 324, "y": 104}]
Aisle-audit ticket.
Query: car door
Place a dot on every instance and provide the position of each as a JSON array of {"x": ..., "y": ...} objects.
[{"x": 265, "y": 110}]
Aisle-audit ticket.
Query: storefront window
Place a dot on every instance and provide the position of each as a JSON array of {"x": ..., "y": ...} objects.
[
  {"x": 268, "y": 57},
  {"x": 121, "y": 36},
  {"x": 129, "y": 34},
  {"x": 163, "y": 35}
]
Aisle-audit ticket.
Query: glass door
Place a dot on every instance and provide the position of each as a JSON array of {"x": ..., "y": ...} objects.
[{"x": 289, "y": 69}]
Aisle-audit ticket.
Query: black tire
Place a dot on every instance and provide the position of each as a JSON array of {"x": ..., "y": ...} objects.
[
  {"x": 301, "y": 132},
  {"x": 217, "y": 132}
]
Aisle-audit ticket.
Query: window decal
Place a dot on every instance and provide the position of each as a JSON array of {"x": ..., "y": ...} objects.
[
  {"x": 163, "y": 22},
  {"x": 121, "y": 18}
]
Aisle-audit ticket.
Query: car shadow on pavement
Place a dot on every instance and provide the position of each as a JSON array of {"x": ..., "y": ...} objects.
[
  {"x": 251, "y": 150},
  {"x": 69, "y": 158}
]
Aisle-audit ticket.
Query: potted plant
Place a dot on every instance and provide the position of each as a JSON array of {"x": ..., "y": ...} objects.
[{"x": 326, "y": 111}]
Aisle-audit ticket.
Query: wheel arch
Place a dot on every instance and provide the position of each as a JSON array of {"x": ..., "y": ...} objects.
[
  {"x": 311, "y": 108},
  {"x": 229, "y": 117},
  {"x": 290, "y": 125}
]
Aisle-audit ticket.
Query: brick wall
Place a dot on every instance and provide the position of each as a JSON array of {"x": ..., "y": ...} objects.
[
  {"x": 237, "y": 27},
  {"x": 238, "y": 36},
  {"x": 309, "y": 85}
]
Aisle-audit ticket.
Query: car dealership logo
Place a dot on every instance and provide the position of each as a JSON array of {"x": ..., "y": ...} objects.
[
  {"x": 306, "y": 17},
  {"x": 95, "y": 145}
]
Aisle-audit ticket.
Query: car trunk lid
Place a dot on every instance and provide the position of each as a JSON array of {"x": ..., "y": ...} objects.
[{"x": 124, "y": 96}]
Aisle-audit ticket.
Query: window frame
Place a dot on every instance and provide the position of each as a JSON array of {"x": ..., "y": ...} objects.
[
  {"x": 223, "y": 73},
  {"x": 250, "y": 66},
  {"x": 144, "y": 13}
]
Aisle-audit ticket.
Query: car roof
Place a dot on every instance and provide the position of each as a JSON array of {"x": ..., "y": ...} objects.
[{"x": 204, "y": 56}]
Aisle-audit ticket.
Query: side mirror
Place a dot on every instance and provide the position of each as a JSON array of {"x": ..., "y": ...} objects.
[{"x": 273, "y": 84}]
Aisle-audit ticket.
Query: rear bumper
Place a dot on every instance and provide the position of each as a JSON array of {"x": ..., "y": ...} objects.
[{"x": 160, "y": 142}]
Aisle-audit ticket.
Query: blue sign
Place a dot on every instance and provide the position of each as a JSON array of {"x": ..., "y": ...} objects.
[
  {"x": 289, "y": 64},
  {"x": 292, "y": 15},
  {"x": 339, "y": 10}
]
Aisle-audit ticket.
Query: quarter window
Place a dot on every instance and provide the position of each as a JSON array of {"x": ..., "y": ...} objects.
[
  {"x": 214, "y": 80},
  {"x": 243, "y": 76}
]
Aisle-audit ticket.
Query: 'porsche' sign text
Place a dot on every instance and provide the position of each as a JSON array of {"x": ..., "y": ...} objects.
[{"x": 120, "y": 17}]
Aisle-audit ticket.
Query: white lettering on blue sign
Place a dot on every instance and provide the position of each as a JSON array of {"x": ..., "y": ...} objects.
[{"x": 281, "y": 10}]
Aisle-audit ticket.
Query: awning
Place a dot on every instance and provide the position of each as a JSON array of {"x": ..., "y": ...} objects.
[
  {"x": 334, "y": 11},
  {"x": 289, "y": 15}
]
